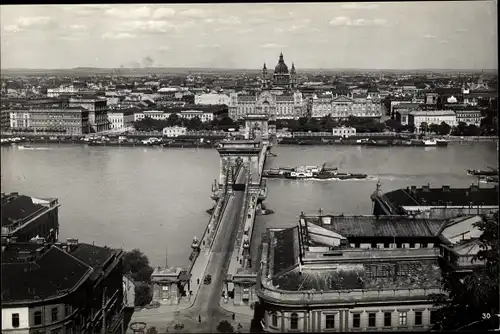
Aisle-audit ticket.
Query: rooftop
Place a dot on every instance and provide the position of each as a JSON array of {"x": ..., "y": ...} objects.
[
  {"x": 33, "y": 271},
  {"x": 433, "y": 113},
  {"x": 16, "y": 207},
  {"x": 426, "y": 196},
  {"x": 383, "y": 226},
  {"x": 287, "y": 274}
]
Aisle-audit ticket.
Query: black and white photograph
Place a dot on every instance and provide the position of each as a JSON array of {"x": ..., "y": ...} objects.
[{"x": 249, "y": 167}]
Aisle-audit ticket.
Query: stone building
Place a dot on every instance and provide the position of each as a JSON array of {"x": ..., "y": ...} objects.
[
  {"x": 343, "y": 106},
  {"x": 50, "y": 120},
  {"x": 278, "y": 97},
  {"x": 344, "y": 273},
  {"x": 97, "y": 111},
  {"x": 59, "y": 287}
]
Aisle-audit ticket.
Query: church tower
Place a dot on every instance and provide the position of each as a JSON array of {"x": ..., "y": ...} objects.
[
  {"x": 293, "y": 77},
  {"x": 281, "y": 76},
  {"x": 264, "y": 79}
]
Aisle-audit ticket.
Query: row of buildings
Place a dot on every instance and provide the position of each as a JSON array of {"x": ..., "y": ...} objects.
[
  {"x": 81, "y": 115},
  {"x": 50, "y": 286},
  {"x": 414, "y": 116},
  {"x": 367, "y": 272}
]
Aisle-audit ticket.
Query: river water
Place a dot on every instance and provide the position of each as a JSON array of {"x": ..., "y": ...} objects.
[{"x": 155, "y": 199}]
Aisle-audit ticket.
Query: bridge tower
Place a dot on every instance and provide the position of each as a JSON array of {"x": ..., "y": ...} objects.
[
  {"x": 235, "y": 154},
  {"x": 257, "y": 127}
]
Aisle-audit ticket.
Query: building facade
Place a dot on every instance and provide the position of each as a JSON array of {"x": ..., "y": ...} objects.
[
  {"x": 174, "y": 131},
  {"x": 342, "y": 106},
  {"x": 4, "y": 119},
  {"x": 67, "y": 288},
  {"x": 289, "y": 105},
  {"x": 202, "y": 115},
  {"x": 469, "y": 117},
  {"x": 97, "y": 111},
  {"x": 211, "y": 99},
  {"x": 416, "y": 118},
  {"x": 26, "y": 217},
  {"x": 65, "y": 120},
  {"x": 120, "y": 119},
  {"x": 278, "y": 98},
  {"x": 344, "y": 131},
  {"x": 317, "y": 277}
]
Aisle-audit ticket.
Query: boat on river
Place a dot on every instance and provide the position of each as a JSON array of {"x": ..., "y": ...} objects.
[
  {"x": 312, "y": 173},
  {"x": 478, "y": 172}
]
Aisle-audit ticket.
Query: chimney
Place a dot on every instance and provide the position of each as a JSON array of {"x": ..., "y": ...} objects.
[
  {"x": 446, "y": 188},
  {"x": 473, "y": 187},
  {"x": 426, "y": 188}
]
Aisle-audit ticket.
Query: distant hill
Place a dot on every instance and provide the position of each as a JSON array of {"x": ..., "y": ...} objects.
[{"x": 198, "y": 70}]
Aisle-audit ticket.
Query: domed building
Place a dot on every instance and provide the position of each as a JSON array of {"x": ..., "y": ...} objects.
[{"x": 282, "y": 77}]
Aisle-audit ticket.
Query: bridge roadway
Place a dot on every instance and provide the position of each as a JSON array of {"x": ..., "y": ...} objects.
[{"x": 207, "y": 298}]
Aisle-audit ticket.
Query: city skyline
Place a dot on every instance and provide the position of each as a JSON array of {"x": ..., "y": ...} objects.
[{"x": 456, "y": 35}]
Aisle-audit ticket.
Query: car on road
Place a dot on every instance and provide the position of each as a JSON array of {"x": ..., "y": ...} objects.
[{"x": 208, "y": 279}]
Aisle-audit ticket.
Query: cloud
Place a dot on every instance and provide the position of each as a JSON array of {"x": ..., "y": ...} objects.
[
  {"x": 359, "y": 5},
  {"x": 429, "y": 36},
  {"x": 119, "y": 35},
  {"x": 130, "y": 12},
  {"x": 296, "y": 27},
  {"x": 77, "y": 27},
  {"x": 26, "y": 23},
  {"x": 163, "y": 12},
  {"x": 164, "y": 48},
  {"x": 153, "y": 26},
  {"x": 246, "y": 31},
  {"x": 194, "y": 13},
  {"x": 230, "y": 20},
  {"x": 341, "y": 21},
  {"x": 272, "y": 46},
  {"x": 461, "y": 30},
  {"x": 209, "y": 46},
  {"x": 84, "y": 10}
]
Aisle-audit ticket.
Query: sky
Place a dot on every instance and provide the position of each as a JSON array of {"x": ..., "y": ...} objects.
[{"x": 391, "y": 35}]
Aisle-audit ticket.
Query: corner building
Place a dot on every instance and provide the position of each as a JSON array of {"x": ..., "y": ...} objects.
[
  {"x": 320, "y": 276},
  {"x": 278, "y": 97}
]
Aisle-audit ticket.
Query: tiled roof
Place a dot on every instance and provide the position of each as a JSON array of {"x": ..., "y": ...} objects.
[
  {"x": 93, "y": 256},
  {"x": 331, "y": 276},
  {"x": 438, "y": 196},
  {"x": 50, "y": 274},
  {"x": 384, "y": 226},
  {"x": 246, "y": 98},
  {"x": 18, "y": 207}
]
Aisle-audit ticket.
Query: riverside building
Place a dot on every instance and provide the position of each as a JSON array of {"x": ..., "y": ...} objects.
[
  {"x": 278, "y": 97},
  {"x": 50, "y": 120},
  {"x": 343, "y": 273}
]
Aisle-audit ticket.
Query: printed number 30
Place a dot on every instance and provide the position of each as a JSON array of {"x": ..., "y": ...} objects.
[{"x": 486, "y": 316}]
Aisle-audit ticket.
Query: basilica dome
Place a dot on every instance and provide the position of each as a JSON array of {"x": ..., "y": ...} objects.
[{"x": 281, "y": 68}]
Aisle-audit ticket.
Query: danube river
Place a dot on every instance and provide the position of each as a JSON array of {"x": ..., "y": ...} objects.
[{"x": 155, "y": 199}]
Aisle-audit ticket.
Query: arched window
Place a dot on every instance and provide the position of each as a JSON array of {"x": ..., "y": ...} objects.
[
  {"x": 294, "y": 321},
  {"x": 274, "y": 319},
  {"x": 38, "y": 318}
]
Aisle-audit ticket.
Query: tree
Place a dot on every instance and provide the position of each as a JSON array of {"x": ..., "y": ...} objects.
[
  {"x": 394, "y": 125},
  {"x": 460, "y": 129},
  {"x": 173, "y": 119},
  {"x": 444, "y": 129},
  {"x": 152, "y": 330},
  {"x": 137, "y": 264},
  {"x": 225, "y": 327},
  {"x": 194, "y": 123},
  {"x": 424, "y": 127},
  {"x": 434, "y": 128},
  {"x": 472, "y": 130},
  {"x": 143, "y": 294},
  {"x": 472, "y": 298}
]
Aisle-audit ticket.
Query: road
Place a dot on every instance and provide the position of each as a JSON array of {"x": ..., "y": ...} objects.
[{"x": 208, "y": 298}]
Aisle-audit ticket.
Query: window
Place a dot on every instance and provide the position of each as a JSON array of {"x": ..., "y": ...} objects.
[
  {"x": 433, "y": 317},
  {"x": 386, "y": 245},
  {"x": 374, "y": 245},
  {"x": 356, "y": 245},
  {"x": 15, "y": 320},
  {"x": 372, "y": 319},
  {"x": 38, "y": 318},
  {"x": 274, "y": 319},
  {"x": 412, "y": 245},
  {"x": 356, "y": 320},
  {"x": 67, "y": 310},
  {"x": 418, "y": 318},
  {"x": 403, "y": 317},
  {"x": 294, "y": 321},
  {"x": 330, "y": 321},
  {"x": 54, "y": 314},
  {"x": 387, "y": 319},
  {"x": 424, "y": 245}
]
